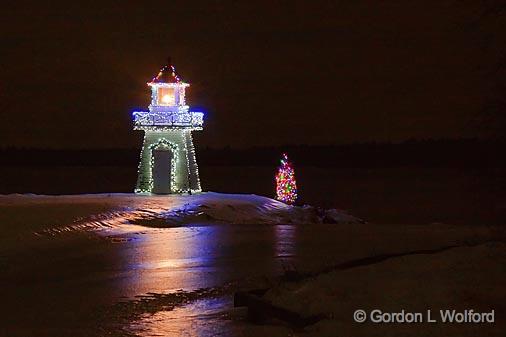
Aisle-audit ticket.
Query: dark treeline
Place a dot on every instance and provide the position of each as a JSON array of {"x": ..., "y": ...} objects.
[{"x": 427, "y": 153}]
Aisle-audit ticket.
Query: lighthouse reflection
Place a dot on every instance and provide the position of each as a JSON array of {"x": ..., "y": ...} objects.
[
  {"x": 169, "y": 259},
  {"x": 219, "y": 258}
]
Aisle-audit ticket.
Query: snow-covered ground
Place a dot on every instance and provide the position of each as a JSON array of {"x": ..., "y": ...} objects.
[
  {"x": 469, "y": 277},
  {"x": 159, "y": 244},
  {"x": 43, "y": 213}
]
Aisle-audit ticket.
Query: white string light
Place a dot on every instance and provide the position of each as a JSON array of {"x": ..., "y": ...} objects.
[{"x": 169, "y": 122}]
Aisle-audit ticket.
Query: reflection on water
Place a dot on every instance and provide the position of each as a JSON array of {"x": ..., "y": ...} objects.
[
  {"x": 285, "y": 240},
  {"x": 179, "y": 248},
  {"x": 189, "y": 258},
  {"x": 209, "y": 317},
  {"x": 166, "y": 260}
]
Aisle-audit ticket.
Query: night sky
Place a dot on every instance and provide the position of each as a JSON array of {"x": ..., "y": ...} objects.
[{"x": 265, "y": 72}]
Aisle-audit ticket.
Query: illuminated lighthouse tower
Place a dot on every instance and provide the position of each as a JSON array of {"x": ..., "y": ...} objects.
[{"x": 168, "y": 163}]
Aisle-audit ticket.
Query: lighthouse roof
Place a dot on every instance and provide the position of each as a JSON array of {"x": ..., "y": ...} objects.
[{"x": 167, "y": 74}]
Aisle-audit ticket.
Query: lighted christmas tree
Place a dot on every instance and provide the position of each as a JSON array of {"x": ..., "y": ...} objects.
[{"x": 286, "y": 188}]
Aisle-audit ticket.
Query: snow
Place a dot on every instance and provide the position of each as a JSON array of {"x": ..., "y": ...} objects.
[
  {"x": 43, "y": 214},
  {"x": 250, "y": 209},
  {"x": 467, "y": 277}
]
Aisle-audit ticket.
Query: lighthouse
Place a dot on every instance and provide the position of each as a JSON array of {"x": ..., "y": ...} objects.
[{"x": 167, "y": 161}]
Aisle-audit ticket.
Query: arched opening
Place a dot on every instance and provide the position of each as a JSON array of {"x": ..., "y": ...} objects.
[{"x": 162, "y": 161}]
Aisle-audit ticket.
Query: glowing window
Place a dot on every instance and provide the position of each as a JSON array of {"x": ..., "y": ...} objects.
[{"x": 166, "y": 96}]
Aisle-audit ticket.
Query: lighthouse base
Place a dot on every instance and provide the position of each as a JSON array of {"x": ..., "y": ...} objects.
[{"x": 167, "y": 163}]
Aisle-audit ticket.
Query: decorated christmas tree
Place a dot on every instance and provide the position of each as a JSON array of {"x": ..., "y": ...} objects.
[{"x": 286, "y": 188}]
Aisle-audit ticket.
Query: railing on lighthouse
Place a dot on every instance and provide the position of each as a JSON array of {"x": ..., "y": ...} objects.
[{"x": 181, "y": 118}]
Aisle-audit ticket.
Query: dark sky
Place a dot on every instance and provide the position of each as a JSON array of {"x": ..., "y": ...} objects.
[{"x": 266, "y": 72}]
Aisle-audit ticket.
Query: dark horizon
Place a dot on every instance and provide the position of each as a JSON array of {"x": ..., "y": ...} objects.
[
  {"x": 265, "y": 74},
  {"x": 462, "y": 153},
  {"x": 490, "y": 141}
]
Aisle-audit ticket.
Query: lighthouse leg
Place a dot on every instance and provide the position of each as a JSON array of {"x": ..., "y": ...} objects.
[
  {"x": 144, "y": 174},
  {"x": 193, "y": 170}
]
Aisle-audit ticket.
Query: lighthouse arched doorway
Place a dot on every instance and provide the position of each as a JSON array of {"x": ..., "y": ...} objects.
[{"x": 161, "y": 169}]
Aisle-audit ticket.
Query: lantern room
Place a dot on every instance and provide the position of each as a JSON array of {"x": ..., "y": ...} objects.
[{"x": 167, "y": 88}]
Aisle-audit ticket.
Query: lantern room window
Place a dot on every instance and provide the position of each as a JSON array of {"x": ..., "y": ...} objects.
[{"x": 166, "y": 96}]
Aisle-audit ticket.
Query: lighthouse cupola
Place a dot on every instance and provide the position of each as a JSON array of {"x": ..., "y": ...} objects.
[{"x": 167, "y": 88}]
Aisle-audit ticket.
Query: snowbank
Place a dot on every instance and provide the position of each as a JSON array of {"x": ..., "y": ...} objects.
[
  {"x": 92, "y": 211},
  {"x": 455, "y": 279},
  {"x": 241, "y": 209}
]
